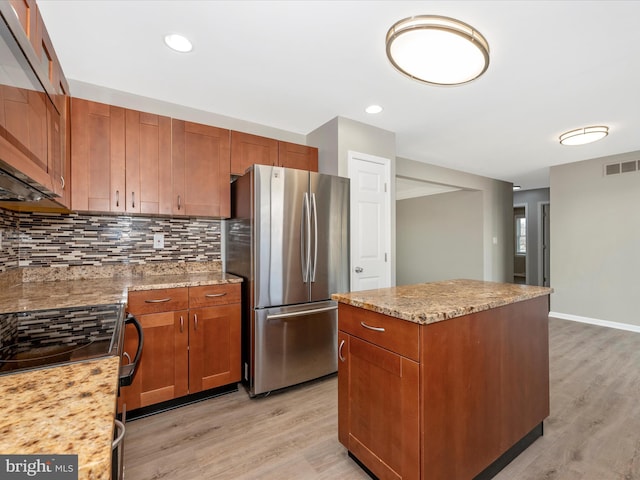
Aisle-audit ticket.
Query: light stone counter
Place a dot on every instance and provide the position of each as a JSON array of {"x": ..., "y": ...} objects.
[
  {"x": 71, "y": 408},
  {"x": 425, "y": 303},
  {"x": 68, "y": 409},
  {"x": 44, "y": 288}
]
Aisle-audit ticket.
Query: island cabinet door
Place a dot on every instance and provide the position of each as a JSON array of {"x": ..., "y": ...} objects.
[{"x": 379, "y": 408}]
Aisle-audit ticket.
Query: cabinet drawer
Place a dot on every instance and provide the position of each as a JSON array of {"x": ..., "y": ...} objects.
[
  {"x": 160, "y": 300},
  {"x": 211, "y": 295},
  {"x": 399, "y": 336}
]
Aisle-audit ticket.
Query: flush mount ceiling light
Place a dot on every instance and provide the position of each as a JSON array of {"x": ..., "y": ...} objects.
[
  {"x": 373, "y": 109},
  {"x": 178, "y": 42},
  {"x": 437, "y": 50},
  {"x": 581, "y": 136}
]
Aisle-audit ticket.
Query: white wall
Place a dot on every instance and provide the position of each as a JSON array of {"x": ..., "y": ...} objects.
[
  {"x": 440, "y": 237},
  {"x": 497, "y": 212},
  {"x": 595, "y": 241}
]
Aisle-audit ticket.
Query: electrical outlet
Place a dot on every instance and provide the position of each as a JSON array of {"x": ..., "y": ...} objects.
[{"x": 158, "y": 240}]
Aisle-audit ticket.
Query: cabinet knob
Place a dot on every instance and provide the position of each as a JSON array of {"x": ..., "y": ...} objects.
[{"x": 359, "y": 269}]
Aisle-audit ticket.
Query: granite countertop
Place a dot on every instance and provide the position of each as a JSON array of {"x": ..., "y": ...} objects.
[
  {"x": 73, "y": 287},
  {"x": 68, "y": 409},
  {"x": 433, "y": 302}
]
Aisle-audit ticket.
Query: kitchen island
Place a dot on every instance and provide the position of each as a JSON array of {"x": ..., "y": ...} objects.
[{"x": 442, "y": 380}]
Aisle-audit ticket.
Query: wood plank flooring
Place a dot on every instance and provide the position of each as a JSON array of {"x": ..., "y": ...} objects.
[{"x": 593, "y": 432}]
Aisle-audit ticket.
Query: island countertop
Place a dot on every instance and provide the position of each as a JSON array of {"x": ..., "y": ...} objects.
[{"x": 426, "y": 303}]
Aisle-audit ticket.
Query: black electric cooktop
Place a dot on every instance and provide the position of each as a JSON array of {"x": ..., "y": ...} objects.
[{"x": 43, "y": 338}]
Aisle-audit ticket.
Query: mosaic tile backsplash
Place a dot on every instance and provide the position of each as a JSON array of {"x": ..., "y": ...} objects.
[{"x": 61, "y": 240}]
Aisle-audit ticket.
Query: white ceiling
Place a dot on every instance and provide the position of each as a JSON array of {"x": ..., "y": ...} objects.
[{"x": 294, "y": 65}]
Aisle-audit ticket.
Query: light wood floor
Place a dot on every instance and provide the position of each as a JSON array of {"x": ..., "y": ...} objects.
[{"x": 593, "y": 432}]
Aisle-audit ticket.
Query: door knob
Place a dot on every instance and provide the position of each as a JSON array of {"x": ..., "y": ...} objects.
[{"x": 359, "y": 269}]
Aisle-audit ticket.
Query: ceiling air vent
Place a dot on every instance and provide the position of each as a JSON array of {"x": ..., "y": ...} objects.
[{"x": 624, "y": 167}]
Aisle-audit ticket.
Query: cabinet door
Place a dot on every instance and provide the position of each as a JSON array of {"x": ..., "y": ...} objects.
[
  {"x": 301, "y": 157},
  {"x": 214, "y": 347},
  {"x": 379, "y": 410},
  {"x": 200, "y": 155},
  {"x": 163, "y": 371},
  {"x": 148, "y": 163},
  {"x": 247, "y": 150},
  {"x": 97, "y": 157},
  {"x": 58, "y": 159}
]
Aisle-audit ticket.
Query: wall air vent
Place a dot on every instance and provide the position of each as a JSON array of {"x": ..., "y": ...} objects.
[
  {"x": 612, "y": 169},
  {"x": 624, "y": 167},
  {"x": 628, "y": 166}
]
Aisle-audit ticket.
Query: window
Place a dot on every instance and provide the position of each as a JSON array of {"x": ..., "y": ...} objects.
[{"x": 521, "y": 235}]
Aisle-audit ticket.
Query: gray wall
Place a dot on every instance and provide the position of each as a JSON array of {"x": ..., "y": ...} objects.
[
  {"x": 595, "y": 241},
  {"x": 497, "y": 213},
  {"x": 533, "y": 199},
  {"x": 440, "y": 237},
  {"x": 337, "y": 137}
]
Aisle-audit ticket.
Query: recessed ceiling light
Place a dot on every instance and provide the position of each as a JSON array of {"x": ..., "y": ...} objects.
[
  {"x": 582, "y": 136},
  {"x": 437, "y": 50},
  {"x": 178, "y": 42},
  {"x": 516, "y": 187},
  {"x": 373, "y": 109}
]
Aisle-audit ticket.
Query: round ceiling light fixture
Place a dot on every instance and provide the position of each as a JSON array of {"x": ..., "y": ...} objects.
[
  {"x": 582, "y": 136},
  {"x": 178, "y": 42},
  {"x": 373, "y": 109},
  {"x": 437, "y": 50}
]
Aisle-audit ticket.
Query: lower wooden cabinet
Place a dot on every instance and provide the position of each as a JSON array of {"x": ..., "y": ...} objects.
[
  {"x": 443, "y": 400},
  {"x": 378, "y": 404},
  {"x": 186, "y": 350}
]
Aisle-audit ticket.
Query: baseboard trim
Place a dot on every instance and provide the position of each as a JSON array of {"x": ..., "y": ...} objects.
[{"x": 595, "y": 321}]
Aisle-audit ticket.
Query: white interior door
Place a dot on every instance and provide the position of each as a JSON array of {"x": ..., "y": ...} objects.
[{"x": 370, "y": 221}]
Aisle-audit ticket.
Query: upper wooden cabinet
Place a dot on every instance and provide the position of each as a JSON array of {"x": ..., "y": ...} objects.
[
  {"x": 147, "y": 163},
  {"x": 33, "y": 112},
  {"x": 97, "y": 157},
  {"x": 201, "y": 179},
  {"x": 302, "y": 157},
  {"x": 121, "y": 159},
  {"x": 247, "y": 149}
]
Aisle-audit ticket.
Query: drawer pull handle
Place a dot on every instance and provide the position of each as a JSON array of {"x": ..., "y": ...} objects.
[
  {"x": 342, "y": 359},
  {"x": 127, "y": 356},
  {"x": 181, "y": 323},
  {"x": 212, "y": 295},
  {"x": 160, "y": 300},
  {"x": 195, "y": 321},
  {"x": 377, "y": 329}
]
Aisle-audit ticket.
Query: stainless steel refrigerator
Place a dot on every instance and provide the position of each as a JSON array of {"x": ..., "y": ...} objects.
[{"x": 289, "y": 239}]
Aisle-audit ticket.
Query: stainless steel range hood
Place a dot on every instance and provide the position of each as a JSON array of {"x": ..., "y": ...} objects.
[{"x": 15, "y": 190}]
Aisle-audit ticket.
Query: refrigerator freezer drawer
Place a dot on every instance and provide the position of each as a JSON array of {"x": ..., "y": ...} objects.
[{"x": 293, "y": 345}]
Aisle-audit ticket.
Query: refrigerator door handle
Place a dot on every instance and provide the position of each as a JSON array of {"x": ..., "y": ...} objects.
[
  {"x": 305, "y": 243},
  {"x": 314, "y": 211},
  {"x": 302, "y": 312}
]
